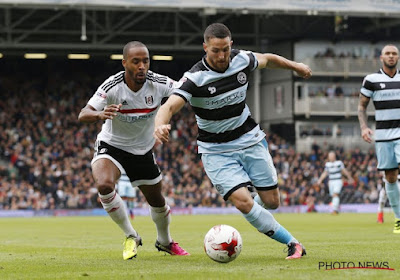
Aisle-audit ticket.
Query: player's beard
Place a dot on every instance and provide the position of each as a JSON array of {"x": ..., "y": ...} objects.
[{"x": 391, "y": 66}]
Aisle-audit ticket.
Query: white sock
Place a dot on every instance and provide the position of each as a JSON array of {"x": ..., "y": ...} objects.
[
  {"x": 382, "y": 200},
  {"x": 162, "y": 218},
  {"x": 115, "y": 207},
  {"x": 335, "y": 203}
]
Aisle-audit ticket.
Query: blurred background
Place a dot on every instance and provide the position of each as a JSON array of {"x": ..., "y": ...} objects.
[{"x": 54, "y": 55}]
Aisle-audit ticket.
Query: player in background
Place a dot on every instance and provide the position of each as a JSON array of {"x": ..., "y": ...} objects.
[
  {"x": 127, "y": 192},
  {"x": 127, "y": 103},
  {"x": 383, "y": 198},
  {"x": 384, "y": 89},
  {"x": 334, "y": 169},
  {"x": 232, "y": 145}
]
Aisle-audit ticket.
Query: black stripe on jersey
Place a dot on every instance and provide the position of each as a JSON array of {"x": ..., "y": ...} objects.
[
  {"x": 387, "y": 124},
  {"x": 220, "y": 86},
  {"x": 199, "y": 66},
  {"x": 116, "y": 78},
  {"x": 109, "y": 86},
  {"x": 331, "y": 173},
  {"x": 227, "y": 136},
  {"x": 388, "y": 140},
  {"x": 221, "y": 113},
  {"x": 383, "y": 85},
  {"x": 156, "y": 78},
  {"x": 387, "y": 104}
]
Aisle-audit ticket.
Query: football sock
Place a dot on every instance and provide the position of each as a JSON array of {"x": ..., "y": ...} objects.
[
  {"x": 115, "y": 208},
  {"x": 335, "y": 203},
  {"x": 382, "y": 199},
  {"x": 392, "y": 191},
  {"x": 162, "y": 218},
  {"x": 257, "y": 199},
  {"x": 265, "y": 223}
]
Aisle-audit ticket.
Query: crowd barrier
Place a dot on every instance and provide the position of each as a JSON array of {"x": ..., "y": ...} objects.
[{"x": 345, "y": 208}]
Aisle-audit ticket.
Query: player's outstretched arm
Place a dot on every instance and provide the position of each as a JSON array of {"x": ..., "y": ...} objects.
[
  {"x": 164, "y": 115},
  {"x": 89, "y": 114},
  {"x": 322, "y": 177},
  {"x": 269, "y": 60},
  {"x": 366, "y": 132}
]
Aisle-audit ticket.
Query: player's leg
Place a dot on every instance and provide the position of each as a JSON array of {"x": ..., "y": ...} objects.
[
  {"x": 381, "y": 204},
  {"x": 105, "y": 174},
  {"x": 388, "y": 158},
  {"x": 227, "y": 173},
  {"x": 161, "y": 215}
]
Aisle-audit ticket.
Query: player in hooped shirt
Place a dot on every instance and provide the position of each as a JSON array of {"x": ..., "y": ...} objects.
[{"x": 127, "y": 102}]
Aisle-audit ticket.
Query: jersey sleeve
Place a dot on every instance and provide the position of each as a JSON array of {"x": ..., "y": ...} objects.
[
  {"x": 170, "y": 87},
  {"x": 99, "y": 99},
  {"x": 251, "y": 58},
  {"x": 367, "y": 88},
  {"x": 183, "y": 88}
]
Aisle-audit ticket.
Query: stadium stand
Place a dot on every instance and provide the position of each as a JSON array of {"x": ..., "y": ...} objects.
[{"x": 45, "y": 153}]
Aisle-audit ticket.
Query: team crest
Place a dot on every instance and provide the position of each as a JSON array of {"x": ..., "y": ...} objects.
[
  {"x": 149, "y": 100},
  {"x": 242, "y": 78},
  {"x": 219, "y": 188}
]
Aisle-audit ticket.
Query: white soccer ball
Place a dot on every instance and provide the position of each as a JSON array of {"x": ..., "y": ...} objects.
[{"x": 223, "y": 243}]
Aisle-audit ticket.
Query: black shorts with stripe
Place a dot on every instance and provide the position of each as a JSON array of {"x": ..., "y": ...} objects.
[{"x": 137, "y": 167}]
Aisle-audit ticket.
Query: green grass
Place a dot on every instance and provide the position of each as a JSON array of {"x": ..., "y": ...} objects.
[{"x": 91, "y": 248}]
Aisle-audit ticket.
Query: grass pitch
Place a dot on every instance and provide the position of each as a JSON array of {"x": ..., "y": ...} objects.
[{"x": 91, "y": 248}]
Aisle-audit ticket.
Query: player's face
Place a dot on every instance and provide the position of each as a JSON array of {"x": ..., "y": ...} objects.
[
  {"x": 390, "y": 56},
  {"x": 218, "y": 53},
  {"x": 137, "y": 64}
]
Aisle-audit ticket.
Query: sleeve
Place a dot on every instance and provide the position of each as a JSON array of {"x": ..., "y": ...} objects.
[
  {"x": 170, "y": 87},
  {"x": 183, "y": 88},
  {"x": 253, "y": 62},
  {"x": 367, "y": 88},
  {"x": 342, "y": 165},
  {"x": 99, "y": 99}
]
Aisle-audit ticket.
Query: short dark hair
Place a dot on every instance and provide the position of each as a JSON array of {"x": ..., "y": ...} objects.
[
  {"x": 217, "y": 30},
  {"x": 131, "y": 45}
]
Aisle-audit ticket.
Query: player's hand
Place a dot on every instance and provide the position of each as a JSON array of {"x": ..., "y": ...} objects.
[
  {"x": 109, "y": 112},
  {"x": 366, "y": 134},
  {"x": 303, "y": 70},
  {"x": 161, "y": 133}
]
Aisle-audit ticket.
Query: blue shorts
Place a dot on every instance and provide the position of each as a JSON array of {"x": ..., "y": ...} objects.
[
  {"x": 335, "y": 186},
  {"x": 232, "y": 170},
  {"x": 388, "y": 154},
  {"x": 125, "y": 188}
]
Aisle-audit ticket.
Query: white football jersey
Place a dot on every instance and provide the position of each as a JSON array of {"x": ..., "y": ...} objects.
[{"x": 132, "y": 129}]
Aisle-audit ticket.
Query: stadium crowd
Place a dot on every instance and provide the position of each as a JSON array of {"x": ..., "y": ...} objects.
[{"x": 45, "y": 154}]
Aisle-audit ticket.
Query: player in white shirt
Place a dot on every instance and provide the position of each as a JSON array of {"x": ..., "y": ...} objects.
[
  {"x": 334, "y": 168},
  {"x": 127, "y": 192},
  {"x": 127, "y": 103}
]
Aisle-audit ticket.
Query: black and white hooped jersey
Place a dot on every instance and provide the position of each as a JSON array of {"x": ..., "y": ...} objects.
[
  {"x": 385, "y": 93},
  {"x": 132, "y": 129},
  {"x": 334, "y": 169},
  {"x": 219, "y": 102}
]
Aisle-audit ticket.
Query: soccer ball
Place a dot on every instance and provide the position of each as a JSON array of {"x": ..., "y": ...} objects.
[{"x": 223, "y": 243}]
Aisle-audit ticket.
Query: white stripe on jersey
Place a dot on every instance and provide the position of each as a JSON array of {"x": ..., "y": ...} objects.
[{"x": 334, "y": 169}]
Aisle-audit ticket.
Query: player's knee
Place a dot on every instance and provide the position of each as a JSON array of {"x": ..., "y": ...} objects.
[
  {"x": 274, "y": 204},
  {"x": 105, "y": 188},
  {"x": 243, "y": 205}
]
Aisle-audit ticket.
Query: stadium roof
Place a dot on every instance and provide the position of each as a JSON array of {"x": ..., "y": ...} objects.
[{"x": 98, "y": 26}]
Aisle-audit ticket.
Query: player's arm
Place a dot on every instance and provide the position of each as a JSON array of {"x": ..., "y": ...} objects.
[
  {"x": 348, "y": 175},
  {"x": 322, "y": 177},
  {"x": 89, "y": 114},
  {"x": 162, "y": 127},
  {"x": 273, "y": 61},
  {"x": 366, "y": 132}
]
